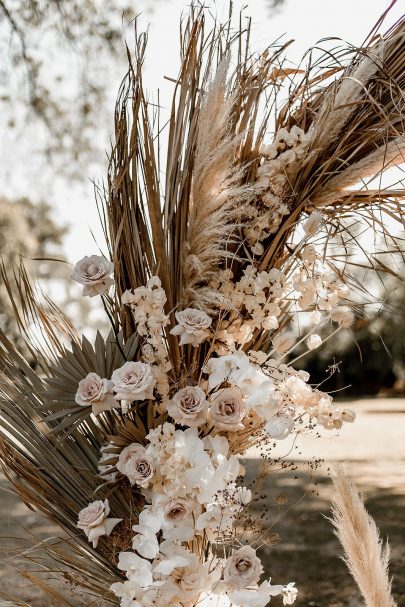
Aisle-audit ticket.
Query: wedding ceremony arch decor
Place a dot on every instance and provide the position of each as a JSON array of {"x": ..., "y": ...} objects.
[{"x": 233, "y": 228}]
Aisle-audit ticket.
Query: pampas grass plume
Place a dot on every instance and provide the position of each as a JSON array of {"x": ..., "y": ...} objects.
[{"x": 365, "y": 555}]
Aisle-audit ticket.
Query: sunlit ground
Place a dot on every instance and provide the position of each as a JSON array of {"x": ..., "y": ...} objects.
[{"x": 307, "y": 552}]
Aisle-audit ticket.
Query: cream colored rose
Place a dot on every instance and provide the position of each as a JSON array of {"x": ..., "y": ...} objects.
[
  {"x": 96, "y": 392},
  {"x": 133, "y": 381},
  {"x": 134, "y": 463},
  {"x": 227, "y": 410},
  {"x": 192, "y": 326},
  {"x": 94, "y": 522},
  {"x": 189, "y": 407},
  {"x": 243, "y": 568},
  {"x": 94, "y": 274},
  {"x": 177, "y": 510}
]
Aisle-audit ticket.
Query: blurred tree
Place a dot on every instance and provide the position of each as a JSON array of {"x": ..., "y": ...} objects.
[
  {"x": 275, "y": 5},
  {"x": 370, "y": 357},
  {"x": 28, "y": 231},
  {"x": 56, "y": 56}
]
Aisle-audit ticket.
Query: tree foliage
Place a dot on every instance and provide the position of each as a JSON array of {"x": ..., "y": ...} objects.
[{"x": 55, "y": 54}]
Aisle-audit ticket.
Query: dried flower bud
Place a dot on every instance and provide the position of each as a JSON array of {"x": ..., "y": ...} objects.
[
  {"x": 314, "y": 341},
  {"x": 313, "y": 223},
  {"x": 348, "y": 416},
  {"x": 343, "y": 316},
  {"x": 283, "y": 342}
]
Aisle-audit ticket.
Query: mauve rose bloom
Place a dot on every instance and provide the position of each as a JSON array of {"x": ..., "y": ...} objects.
[
  {"x": 189, "y": 407},
  {"x": 133, "y": 381},
  {"x": 227, "y": 410},
  {"x": 134, "y": 463},
  {"x": 243, "y": 568},
  {"x": 192, "y": 326},
  {"x": 96, "y": 392},
  {"x": 94, "y": 274},
  {"x": 94, "y": 522}
]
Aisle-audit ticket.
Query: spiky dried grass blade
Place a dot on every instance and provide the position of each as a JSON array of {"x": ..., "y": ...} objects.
[
  {"x": 364, "y": 553},
  {"x": 32, "y": 308}
]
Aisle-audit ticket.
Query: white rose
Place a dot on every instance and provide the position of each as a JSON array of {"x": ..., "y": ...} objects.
[
  {"x": 227, "y": 410},
  {"x": 243, "y": 568},
  {"x": 177, "y": 510},
  {"x": 97, "y": 392},
  {"x": 178, "y": 523},
  {"x": 94, "y": 522},
  {"x": 189, "y": 406},
  {"x": 133, "y": 381},
  {"x": 192, "y": 326},
  {"x": 134, "y": 463},
  {"x": 94, "y": 274}
]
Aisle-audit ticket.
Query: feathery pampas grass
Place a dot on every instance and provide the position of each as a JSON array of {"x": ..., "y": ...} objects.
[
  {"x": 365, "y": 555},
  {"x": 217, "y": 197}
]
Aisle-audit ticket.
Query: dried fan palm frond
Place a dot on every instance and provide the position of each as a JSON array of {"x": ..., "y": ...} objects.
[
  {"x": 45, "y": 469},
  {"x": 364, "y": 553},
  {"x": 75, "y": 364}
]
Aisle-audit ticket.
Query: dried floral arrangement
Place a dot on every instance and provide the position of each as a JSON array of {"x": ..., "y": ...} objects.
[{"x": 232, "y": 232}]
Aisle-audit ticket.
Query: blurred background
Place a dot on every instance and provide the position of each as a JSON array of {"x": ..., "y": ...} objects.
[{"x": 61, "y": 65}]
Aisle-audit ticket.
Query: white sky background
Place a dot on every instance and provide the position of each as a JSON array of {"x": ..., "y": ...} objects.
[{"x": 22, "y": 173}]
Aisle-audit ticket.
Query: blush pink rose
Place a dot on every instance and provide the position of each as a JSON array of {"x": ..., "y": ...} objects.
[
  {"x": 94, "y": 521},
  {"x": 94, "y": 274},
  {"x": 227, "y": 410},
  {"x": 192, "y": 326},
  {"x": 189, "y": 407},
  {"x": 96, "y": 392},
  {"x": 133, "y": 381},
  {"x": 243, "y": 568},
  {"x": 135, "y": 464}
]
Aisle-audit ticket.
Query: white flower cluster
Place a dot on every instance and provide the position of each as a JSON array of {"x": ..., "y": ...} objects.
[
  {"x": 188, "y": 475},
  {"x": 147, "y": 305},
  {"x": 189, "y": 485},
  {"x": 294, "y": 398},
  {"x": 272, "y": 184},
  {"x": 320, "y": 288},
  {"x": 257, "y": 293}
]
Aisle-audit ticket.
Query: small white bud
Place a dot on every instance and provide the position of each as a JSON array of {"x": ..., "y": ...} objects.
[
  {"x": 313, "y": 223},
  {"x": 314, "y": 341}
]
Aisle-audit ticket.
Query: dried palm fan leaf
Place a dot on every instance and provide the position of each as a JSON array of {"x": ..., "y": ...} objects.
[{"x": 239, "y": 219}]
